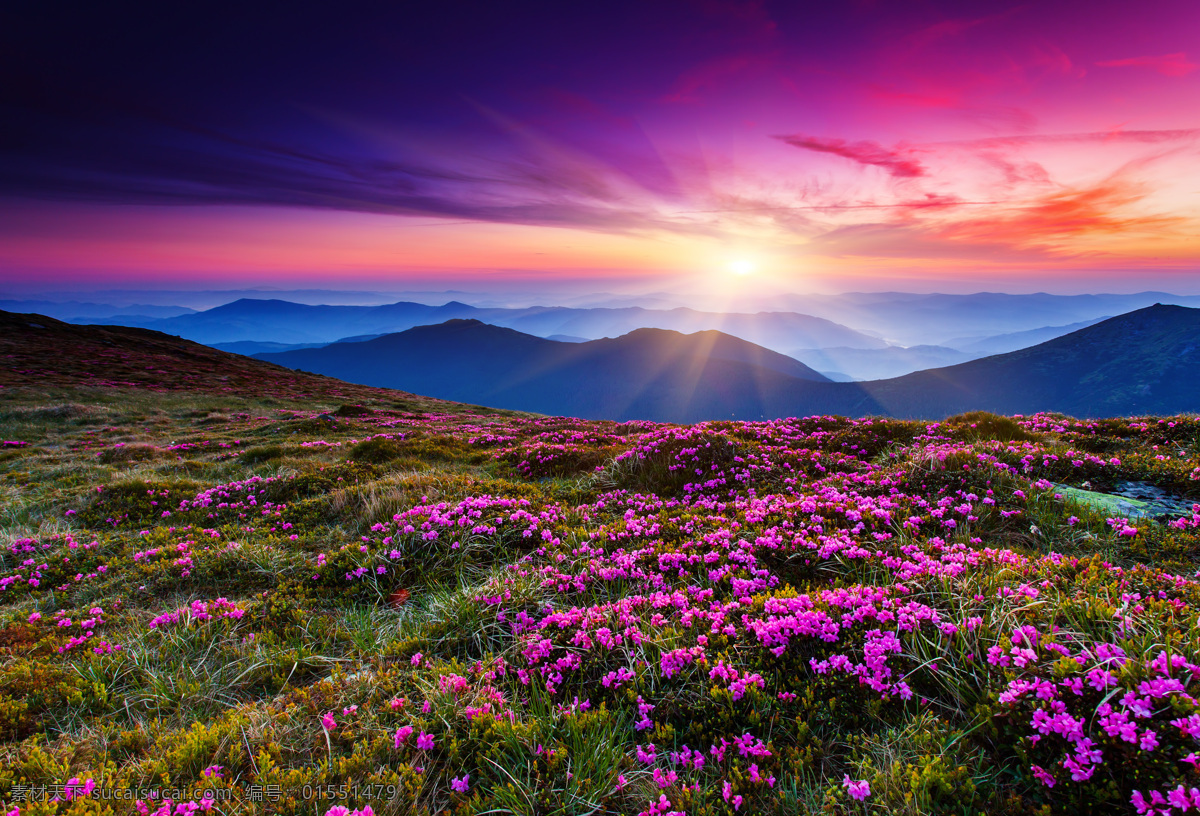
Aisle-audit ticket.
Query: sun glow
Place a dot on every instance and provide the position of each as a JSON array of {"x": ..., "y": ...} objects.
[{"x": 741, "y": 267}]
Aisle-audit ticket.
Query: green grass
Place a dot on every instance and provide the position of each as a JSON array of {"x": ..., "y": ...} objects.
[{"x": 452, "y": 623}]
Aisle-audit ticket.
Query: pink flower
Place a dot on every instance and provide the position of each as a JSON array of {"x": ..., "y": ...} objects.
[
  {"x": 402, "y": 734},
  {"x": 461, "y": 784},
  {"x": 425, "y": 741},
  {"x": 328, "y": 722},
  {"x": 859, "y": 789}
]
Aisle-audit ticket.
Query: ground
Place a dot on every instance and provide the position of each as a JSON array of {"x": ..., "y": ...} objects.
[{"x": 299, "y": 600}]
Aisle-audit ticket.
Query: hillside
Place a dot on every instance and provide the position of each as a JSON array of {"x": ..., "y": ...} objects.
[
  {"x": 1142, "y": 362},
  {"x": 41, "y": 353}
]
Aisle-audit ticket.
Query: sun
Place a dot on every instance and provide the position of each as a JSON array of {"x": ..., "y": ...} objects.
[{"x": 741, "y": 267}]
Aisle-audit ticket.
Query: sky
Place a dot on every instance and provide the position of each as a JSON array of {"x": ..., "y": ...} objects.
[{"x": 695, "y": 146}]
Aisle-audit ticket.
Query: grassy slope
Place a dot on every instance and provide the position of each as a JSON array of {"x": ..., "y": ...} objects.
[{"x": 548, "y": 598}]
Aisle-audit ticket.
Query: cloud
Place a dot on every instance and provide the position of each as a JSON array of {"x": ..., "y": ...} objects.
[
  {"x": 915, "y": 241},
  {"x": 941, "y": 98},
  {"x": 1116, "y": 134},
  {"x": 873, "y": 154},
  {"x": 153, "y": 160},
  {"x": 1172, "y": 65},
  {"x": 1056, "y": 225}
]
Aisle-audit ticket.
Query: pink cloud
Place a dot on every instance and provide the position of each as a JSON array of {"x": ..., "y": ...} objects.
[
  {"x": 1172, "y": 65},
  {"x": 943, "y": 99},
  {"x": 869, "y": 153},
  {"x": 1113, "y": 134}
]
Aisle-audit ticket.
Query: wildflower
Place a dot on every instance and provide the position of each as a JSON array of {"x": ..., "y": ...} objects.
[
  {"x": 76, "y": 788},
  {"x": 328, "y": 722},
  {"x": 1149, "y": 740},
  {"x": 859, "y": 789},
  {"x": 402, "y": 734},
  {"x": 461, "y": 784},
  {"x": 425, "y": 741}
]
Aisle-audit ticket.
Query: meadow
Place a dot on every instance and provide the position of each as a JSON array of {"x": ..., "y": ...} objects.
[{"x": 340, "y": 601}]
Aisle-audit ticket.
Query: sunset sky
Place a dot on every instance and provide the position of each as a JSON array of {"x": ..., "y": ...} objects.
[{"x": 619, "y": 146}]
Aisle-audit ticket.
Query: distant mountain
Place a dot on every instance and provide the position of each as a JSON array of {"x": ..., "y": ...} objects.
[
  {"x": 937, "y": 319},
  {"x": 72, "y": 310},
  {"x": 774, "y": 330},
  {"x": 1142, "y": 362},
  {"x": 646, "y": 374},
  {"x": 279, "y": 321},
  {"x": 1001, "y": 343},
  {"x": 877, "y": 364},
  {"x": 252, "y": 347}
]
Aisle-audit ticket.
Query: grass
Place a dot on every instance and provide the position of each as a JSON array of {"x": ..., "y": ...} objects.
[{"x": 574, "y": 611}]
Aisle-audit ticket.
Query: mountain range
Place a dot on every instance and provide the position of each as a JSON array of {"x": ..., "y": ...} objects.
[
  {"x": 1136, "y": 363},
  {"x": 853, "y": 336},
  {"x": 646, "y": 374},
  {"x": 280, "y": 321}
]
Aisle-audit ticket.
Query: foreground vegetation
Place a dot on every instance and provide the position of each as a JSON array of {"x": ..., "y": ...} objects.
[{"x": 299, "y": 605}]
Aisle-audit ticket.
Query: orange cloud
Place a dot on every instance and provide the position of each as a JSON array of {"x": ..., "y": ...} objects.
[{"x": 1067, "y": 221}]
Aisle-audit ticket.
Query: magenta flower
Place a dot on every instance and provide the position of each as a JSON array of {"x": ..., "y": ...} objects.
[
  {"x": 859, "y": 789},
  {"x": 328, "y": 722},
  {"x": 1043, "y": 776},
  {"x": 462, "y": 783},
  {"x": 402, "y": 734},
  {"x": 425, "y": 741}
]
